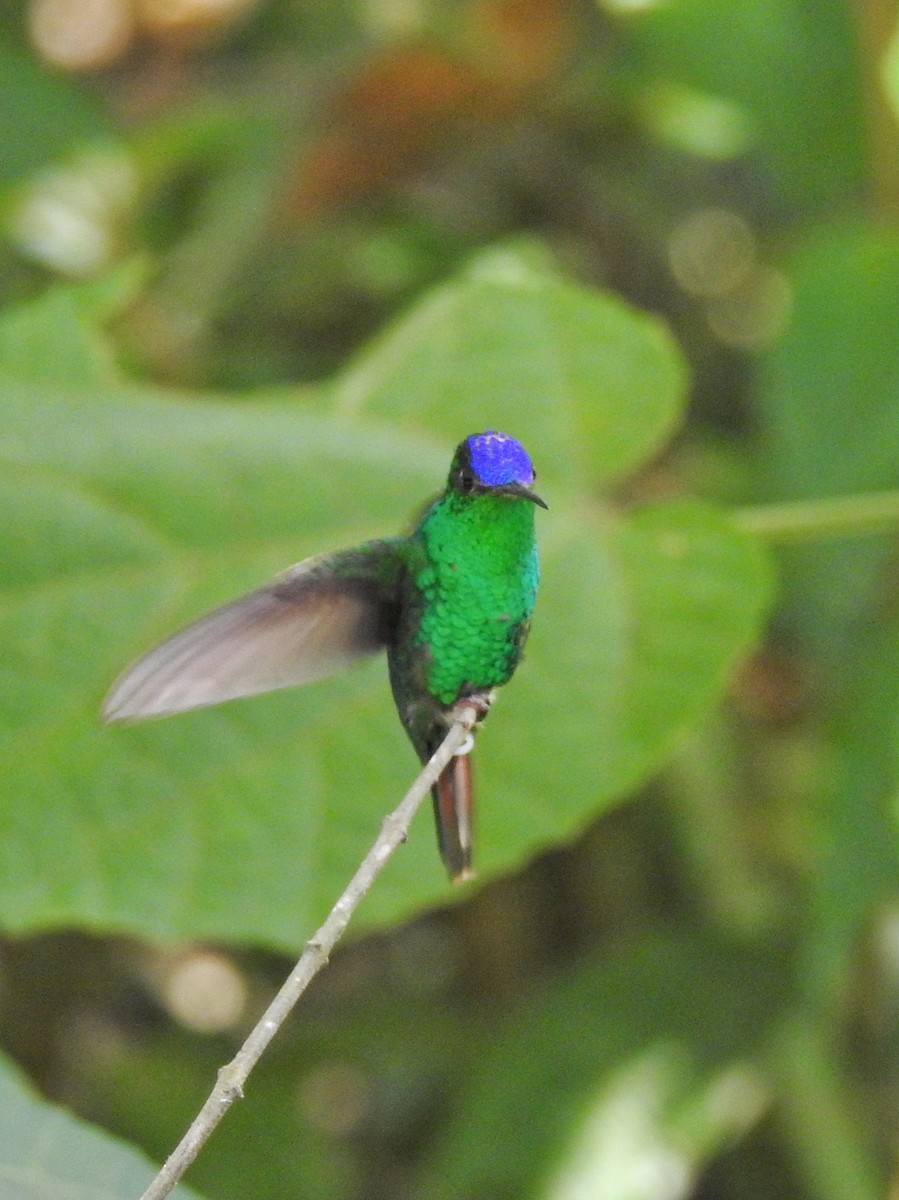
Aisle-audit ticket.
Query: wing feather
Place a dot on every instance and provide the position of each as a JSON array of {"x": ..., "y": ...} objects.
[{"x": 311, "y": 621}]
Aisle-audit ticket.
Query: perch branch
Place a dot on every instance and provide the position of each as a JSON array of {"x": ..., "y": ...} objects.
[{"x": 231, "y": 1078}]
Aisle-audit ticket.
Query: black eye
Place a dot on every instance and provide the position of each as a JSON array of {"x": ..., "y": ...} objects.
[{"x": 466, "y": 480}]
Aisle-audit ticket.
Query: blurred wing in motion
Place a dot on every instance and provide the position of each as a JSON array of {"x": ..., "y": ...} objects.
[{"x": 309, "y": 622}]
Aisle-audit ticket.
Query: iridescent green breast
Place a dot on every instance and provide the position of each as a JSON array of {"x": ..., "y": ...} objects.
[{"x": 478, "y": 582}]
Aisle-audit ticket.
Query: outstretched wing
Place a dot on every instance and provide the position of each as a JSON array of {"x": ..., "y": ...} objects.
[{"x": 309, "y": 622}]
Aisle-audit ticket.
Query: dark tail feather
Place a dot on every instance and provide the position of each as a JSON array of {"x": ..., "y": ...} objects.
[{"x": 453, "y": 812}]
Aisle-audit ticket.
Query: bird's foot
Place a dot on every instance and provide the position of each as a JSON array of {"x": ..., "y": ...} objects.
[
  {"x": 480, "y": 702},
  {"x": 466, "y": 747}
]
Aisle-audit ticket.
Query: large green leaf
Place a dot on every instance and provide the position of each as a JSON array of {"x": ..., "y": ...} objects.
[
  {"x": 46, "y": 1154},
  {"x": 594, "y": 386},
  {"x": 127, "y": 512}
]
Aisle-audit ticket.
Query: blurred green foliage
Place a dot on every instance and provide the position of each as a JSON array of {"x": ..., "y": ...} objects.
[
  {"x": 47, "y": 1153},
  {"x": 260, "y": 269}
]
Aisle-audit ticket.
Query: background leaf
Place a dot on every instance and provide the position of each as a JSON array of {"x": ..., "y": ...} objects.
[
  {"x": 829, "y": 401},
  {"x": 805, "y": 107},
  {"x": 45, "y": 1154},
  {"x": 41, "y": 114},
  {"x": 597, "y": 386},
  {"x": 130, "y": 512},
  {"x": 641, "y": 998}
]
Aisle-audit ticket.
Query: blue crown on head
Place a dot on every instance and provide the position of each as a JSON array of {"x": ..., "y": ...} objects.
[{"x": 498, "y": 459}]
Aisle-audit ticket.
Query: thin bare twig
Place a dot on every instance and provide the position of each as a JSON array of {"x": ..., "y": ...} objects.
[{"x": 232, "y": 1077}]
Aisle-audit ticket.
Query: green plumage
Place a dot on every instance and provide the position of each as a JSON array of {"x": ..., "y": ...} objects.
[{"x": 468, "y": 590}]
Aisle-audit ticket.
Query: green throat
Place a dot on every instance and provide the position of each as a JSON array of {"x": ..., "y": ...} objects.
[{"x": 478, "y": 580}]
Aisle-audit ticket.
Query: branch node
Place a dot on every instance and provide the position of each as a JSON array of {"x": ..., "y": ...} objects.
[{"x": 230, "y": 1084}]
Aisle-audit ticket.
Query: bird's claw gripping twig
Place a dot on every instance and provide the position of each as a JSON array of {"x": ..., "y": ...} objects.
[{"x": 480, "y": 702}]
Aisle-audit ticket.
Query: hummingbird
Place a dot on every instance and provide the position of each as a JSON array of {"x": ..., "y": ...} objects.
[{"x": 450, "y": 602}]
